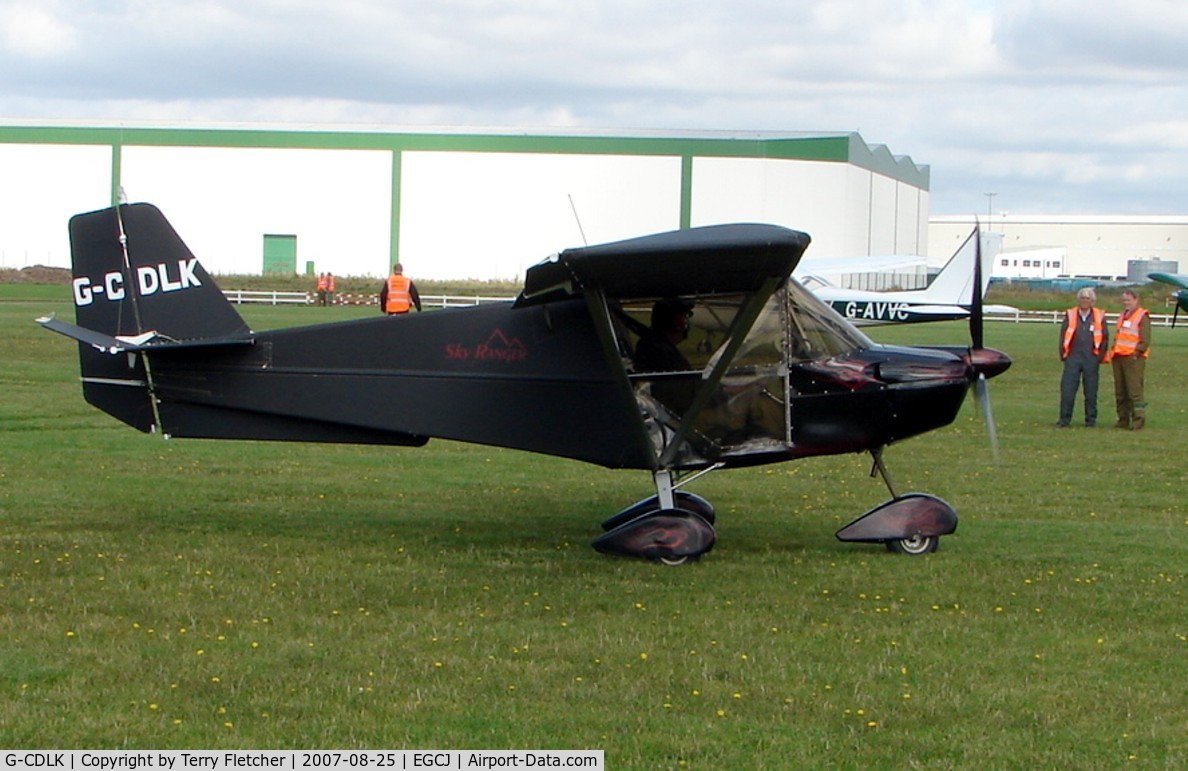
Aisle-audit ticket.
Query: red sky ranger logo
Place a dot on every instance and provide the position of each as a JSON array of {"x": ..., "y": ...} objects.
[{"x": 498, "y": 347}]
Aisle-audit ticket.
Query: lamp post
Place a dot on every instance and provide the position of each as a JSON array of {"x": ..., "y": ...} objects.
[{"x": 989, "y": 207}]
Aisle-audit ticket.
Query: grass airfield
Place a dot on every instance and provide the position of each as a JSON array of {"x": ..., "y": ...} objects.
[{"x": 240, "y": 595}]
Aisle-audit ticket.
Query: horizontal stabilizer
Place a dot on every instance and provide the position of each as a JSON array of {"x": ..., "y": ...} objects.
[
  {"x": 96, "y": 340},
  {"x": 940, "y": 311},
  {"x": 959, "y": 311},
  {"x": 130, "y": 344},
  {"x": 1001, "y": 310}
]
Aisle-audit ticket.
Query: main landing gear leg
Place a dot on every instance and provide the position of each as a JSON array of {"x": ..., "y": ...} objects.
[
  {"x": 881, "y": 469},
  {"x": 672, "y": 526},
  {"x": 664, "y": 488}
]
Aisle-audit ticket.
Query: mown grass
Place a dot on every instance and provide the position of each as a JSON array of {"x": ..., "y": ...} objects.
[
  {"x": 34, "y": 292},
  {"x": 194, "y": 594}
]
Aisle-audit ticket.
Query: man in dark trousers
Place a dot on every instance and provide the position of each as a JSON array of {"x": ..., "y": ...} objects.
[
  {"x": 1084, "y": 344},
  {"x": 399, "y": 294},
  {"x": 1132, "y": 345}
]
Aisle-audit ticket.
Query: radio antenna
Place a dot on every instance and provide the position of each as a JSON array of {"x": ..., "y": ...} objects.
[{"x": 579, "y": 220}]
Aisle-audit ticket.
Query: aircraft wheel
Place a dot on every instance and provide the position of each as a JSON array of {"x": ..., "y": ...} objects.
[
  {"x": 916, "y": 544},
  {"x": 671, "y": 536}
]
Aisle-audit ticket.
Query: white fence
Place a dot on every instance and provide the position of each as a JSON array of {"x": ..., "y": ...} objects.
[
  {"x": 241, "y": 296},
  {"x": 1055, "y": 317}
]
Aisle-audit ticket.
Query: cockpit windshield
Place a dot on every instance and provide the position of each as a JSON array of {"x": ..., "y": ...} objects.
[
  {"x": 815, "y": 330},
  {"x": 722, "y": 362}
]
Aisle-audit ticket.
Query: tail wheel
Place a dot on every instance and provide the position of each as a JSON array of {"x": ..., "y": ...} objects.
[{"x": 916, "y": 544}]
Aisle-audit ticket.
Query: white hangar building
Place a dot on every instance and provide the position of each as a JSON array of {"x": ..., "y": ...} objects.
[
  {"x": 450, "y": 203},
  {"x": 1102, "y": 247}
]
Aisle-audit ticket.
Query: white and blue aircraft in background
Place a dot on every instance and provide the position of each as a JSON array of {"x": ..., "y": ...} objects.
[{"x": 948, "y": 296}]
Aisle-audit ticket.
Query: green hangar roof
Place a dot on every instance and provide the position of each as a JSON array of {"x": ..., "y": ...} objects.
[{"x": 835, "y": 147}]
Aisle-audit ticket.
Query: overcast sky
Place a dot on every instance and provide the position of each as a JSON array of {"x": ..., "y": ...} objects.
[{"x": 1056, "y": 106}]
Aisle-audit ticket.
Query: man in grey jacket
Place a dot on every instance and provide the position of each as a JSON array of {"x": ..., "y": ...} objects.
[{"x": 1084, "y": 343}]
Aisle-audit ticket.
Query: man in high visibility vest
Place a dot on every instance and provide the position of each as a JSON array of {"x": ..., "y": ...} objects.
[
  {"x": 321, "y": 289},
  {"x": 1084, "y": 344},
  {"x": 1132, "y": 344},
  {"x": 329, "y": 289},
  {"x": 399, "y": 294}
]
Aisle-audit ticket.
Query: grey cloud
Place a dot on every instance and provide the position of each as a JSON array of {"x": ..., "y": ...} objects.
[
  {"x": 1121, "y": 41},
  {"x": 1042, "y": 102}
]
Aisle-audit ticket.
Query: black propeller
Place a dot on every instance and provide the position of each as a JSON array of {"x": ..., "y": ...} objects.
[
  {"x": 978, "y": 354},
  {"x": 975, "y": 302}
]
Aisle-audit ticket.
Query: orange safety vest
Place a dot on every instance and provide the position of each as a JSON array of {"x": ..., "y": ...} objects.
[
  {"x": 399, "y": 298},
  {"x": 1097, "y": 327},
  {"x": 321, "y": 283},
  {"x": 329, "y": 283},
  {"x": 1127, "y": 337}
]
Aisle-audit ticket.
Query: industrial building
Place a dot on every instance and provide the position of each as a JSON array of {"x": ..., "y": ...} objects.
[
  {"x": 489, "y": 203},
  {"x": 450, "y": 204},
  {"x": 1104, "y": 248}
]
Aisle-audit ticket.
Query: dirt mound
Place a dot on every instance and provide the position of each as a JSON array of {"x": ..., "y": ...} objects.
[{"x": 36, "y": 274}]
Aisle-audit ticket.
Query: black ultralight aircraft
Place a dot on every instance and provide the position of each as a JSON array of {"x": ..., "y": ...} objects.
[{"x": 760, "y": 371}]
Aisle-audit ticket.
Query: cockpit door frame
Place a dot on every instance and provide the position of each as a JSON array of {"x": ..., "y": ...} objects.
[{"x": 712, "y": 380}]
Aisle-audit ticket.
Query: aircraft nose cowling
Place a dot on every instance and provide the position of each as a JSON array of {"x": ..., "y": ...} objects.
[
  {"x": 989, "y": 361},
  {"x": 898, "y": 365}
]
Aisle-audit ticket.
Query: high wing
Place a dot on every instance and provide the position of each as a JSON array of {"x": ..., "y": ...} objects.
[
  {"x": 717, "y": 259},
  {"x": 1175, "y": 279},
  {"x": 875, "y": 263}
]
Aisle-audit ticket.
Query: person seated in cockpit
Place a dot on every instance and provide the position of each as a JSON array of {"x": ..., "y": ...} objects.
[
  {"x": 734, "y": 411},
  {"x": 657, "y": 350}
]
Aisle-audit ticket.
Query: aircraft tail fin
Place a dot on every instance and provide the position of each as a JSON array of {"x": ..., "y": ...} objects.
[
  {"x": 954, "y": 284},
  {"x": 134, "y": 275},
  {"x": 137, "y": 288}
]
